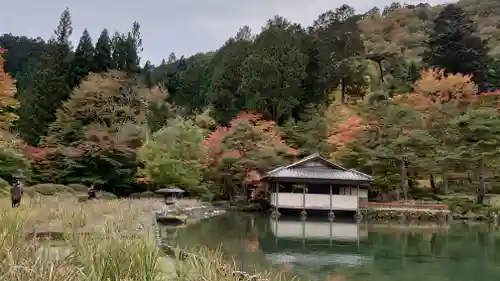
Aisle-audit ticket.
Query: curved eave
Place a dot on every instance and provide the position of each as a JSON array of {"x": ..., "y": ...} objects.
[{"x": 268, "y": 178}]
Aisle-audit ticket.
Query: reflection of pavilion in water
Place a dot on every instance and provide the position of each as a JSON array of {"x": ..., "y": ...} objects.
[{"x": 316, "y": 243}]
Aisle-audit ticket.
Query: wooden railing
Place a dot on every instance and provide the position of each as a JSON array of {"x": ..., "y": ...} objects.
[{"x": 407, "y": 204}]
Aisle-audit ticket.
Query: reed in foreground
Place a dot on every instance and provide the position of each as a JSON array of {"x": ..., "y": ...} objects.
[
  {"x": 102, "y": 240},
  {"x": 99, "y": 241}
]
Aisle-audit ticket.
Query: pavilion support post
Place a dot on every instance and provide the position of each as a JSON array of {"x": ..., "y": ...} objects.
[
  {"x": 303, "y": 213},
  {"x": 331, "y": 234},
  {"x": 331, "y": 214},
  {"x": 303, "y": 234},
  {"x": 275, "y": 214},
  {"x": 357, "y": 216}
]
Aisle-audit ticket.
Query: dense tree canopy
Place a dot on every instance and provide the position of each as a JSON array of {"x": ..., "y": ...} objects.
[{"x": 406, "y": 93}]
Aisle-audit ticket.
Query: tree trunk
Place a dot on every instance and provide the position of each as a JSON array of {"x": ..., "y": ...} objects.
[
  {"x": 445, "y": 181},
  {"x": 342, "y": 90},
  {"x": 481, "y": 189},
  {"x": 433, "y": 183}
]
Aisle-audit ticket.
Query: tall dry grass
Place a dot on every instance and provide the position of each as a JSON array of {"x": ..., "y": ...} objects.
[{"x": 102, "y": 241}]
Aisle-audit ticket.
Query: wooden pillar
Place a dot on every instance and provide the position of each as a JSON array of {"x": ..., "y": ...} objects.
[
  {"x": 303, "y": 234},
  {"x": 277, "y": 188},
  {"x": 358, "y": 213},
  {"x": 331, "y": 214},
  {"x": 275, "y": 214},
  {"x": 303, "y": 213},
  {"x": 331, "y": 233},
  {"x": 276, "y": 234}
]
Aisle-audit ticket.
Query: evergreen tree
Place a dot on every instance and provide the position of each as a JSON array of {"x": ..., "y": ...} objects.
[
  {"x": 133, "y": 46},
  {"x": 103, "y": 60},
  {"x": 118, "y": 51},
  {"x": 51, "y": 85},
  {"x": 172, "y": 58},
  {"x": 126, "y": 49},
  {"x": 453, "y": 46},
  {"x": 64, "y": 29},
  {"x": 83, "y": 60}
]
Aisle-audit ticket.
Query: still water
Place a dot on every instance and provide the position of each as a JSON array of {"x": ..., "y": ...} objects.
[{"x": 344, "y": 251}]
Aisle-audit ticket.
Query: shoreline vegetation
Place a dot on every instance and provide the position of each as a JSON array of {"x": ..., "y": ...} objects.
[
  {"x": 96, "y": 240},
  {"x": 380, "y": 92},
  {"x": 107, "y": 239}
]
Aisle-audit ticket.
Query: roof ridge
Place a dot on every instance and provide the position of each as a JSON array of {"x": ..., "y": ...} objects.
[
  {"x": 305, "y": 159},
  {"x": 360, "y": 173}
]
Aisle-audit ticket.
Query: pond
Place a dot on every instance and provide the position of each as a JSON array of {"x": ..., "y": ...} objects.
[{"x": 338, "y": 251}]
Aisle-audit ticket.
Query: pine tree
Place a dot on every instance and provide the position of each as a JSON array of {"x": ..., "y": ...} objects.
[
  {"x": 64, "y": 29},
  {"x": 103, "y": 60},
  {"x": 83, "y": 60},
  {"x": 133, "y": 46},
  {"x": 126, "y": 49},
  {"x": 453, "y": 46},
  {"x": 172, "y": 58},
  {"x": 51, "y": 85}
]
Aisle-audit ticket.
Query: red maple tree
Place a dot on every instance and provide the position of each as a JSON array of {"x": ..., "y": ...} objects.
[
  {"x": 213, "y": 143},
  {"x": 345, "y": 132}
]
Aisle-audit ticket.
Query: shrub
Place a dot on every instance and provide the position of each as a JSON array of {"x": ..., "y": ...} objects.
[
  {"x": 147, "y": 194},
  {"x": 52, "y": 189},
  {"x": 4, "y": 188},
  {"x": 78, "y": 187},
  {"x": 82, "y": 198},
  {"x": 29, "y": 191},
  {"x": 107, "y": 196},
  {"x": 135, "y": 195}
]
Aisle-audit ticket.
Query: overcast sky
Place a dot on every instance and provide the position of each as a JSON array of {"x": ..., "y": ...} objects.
[{"x": 180, "y": 26}]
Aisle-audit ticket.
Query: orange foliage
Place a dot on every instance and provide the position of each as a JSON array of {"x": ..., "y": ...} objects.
[
  {"x": 345, "y": 128},
  {"x": 141, "y": 180},
  {"x": 7, "y": 92},
  {"x": 435, "y": 87},
  {"x": 345, "y": 132},
  {"x": 213, "y": 142},
  {"x": 37, "y": 153}
]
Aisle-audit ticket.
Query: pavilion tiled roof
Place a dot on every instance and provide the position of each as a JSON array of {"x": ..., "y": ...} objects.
[{"x": 326, "y": 171}]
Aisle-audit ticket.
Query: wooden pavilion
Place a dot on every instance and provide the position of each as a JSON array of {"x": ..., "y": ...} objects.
[{"x": 315, "y": 183}]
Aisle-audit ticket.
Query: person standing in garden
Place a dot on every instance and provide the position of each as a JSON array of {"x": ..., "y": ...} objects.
[
  {"x": 91, "y": 192},
  {"x": 17, "y": 191}
]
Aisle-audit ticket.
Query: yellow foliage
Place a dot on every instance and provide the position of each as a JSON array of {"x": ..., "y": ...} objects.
[
  {"x": 7, "y": 100},
  {"x": 436, "y": 87}
]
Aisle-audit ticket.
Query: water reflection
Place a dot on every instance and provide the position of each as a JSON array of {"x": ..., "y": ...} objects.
[{"x": 320, "y": 250}]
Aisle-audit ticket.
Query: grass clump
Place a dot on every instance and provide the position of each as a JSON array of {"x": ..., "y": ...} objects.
[
  {"x": 99, "y": 240},
  {"x": 103, "y": 240}
]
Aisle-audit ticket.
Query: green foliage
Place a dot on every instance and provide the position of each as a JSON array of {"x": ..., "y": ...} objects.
[
  {"x": 50, "y": 84},
  {"x": 107, "y": 195},
  {"x": 172, "y": 156},
  {"x": 78, "y": 187},
  {"x": 147, "y": 194},
  {"x": 83, "y": 60},
  {"x": 11, "y": 162},
  {"x": 102, "y": 58},
  {"x": 453, "y": 46},
  {"x": 4, "y": 188},
  {"x": 93, "y": 108}
]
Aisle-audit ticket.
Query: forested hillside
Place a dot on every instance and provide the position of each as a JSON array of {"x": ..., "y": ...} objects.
[{"x": 409, "y": 89}]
